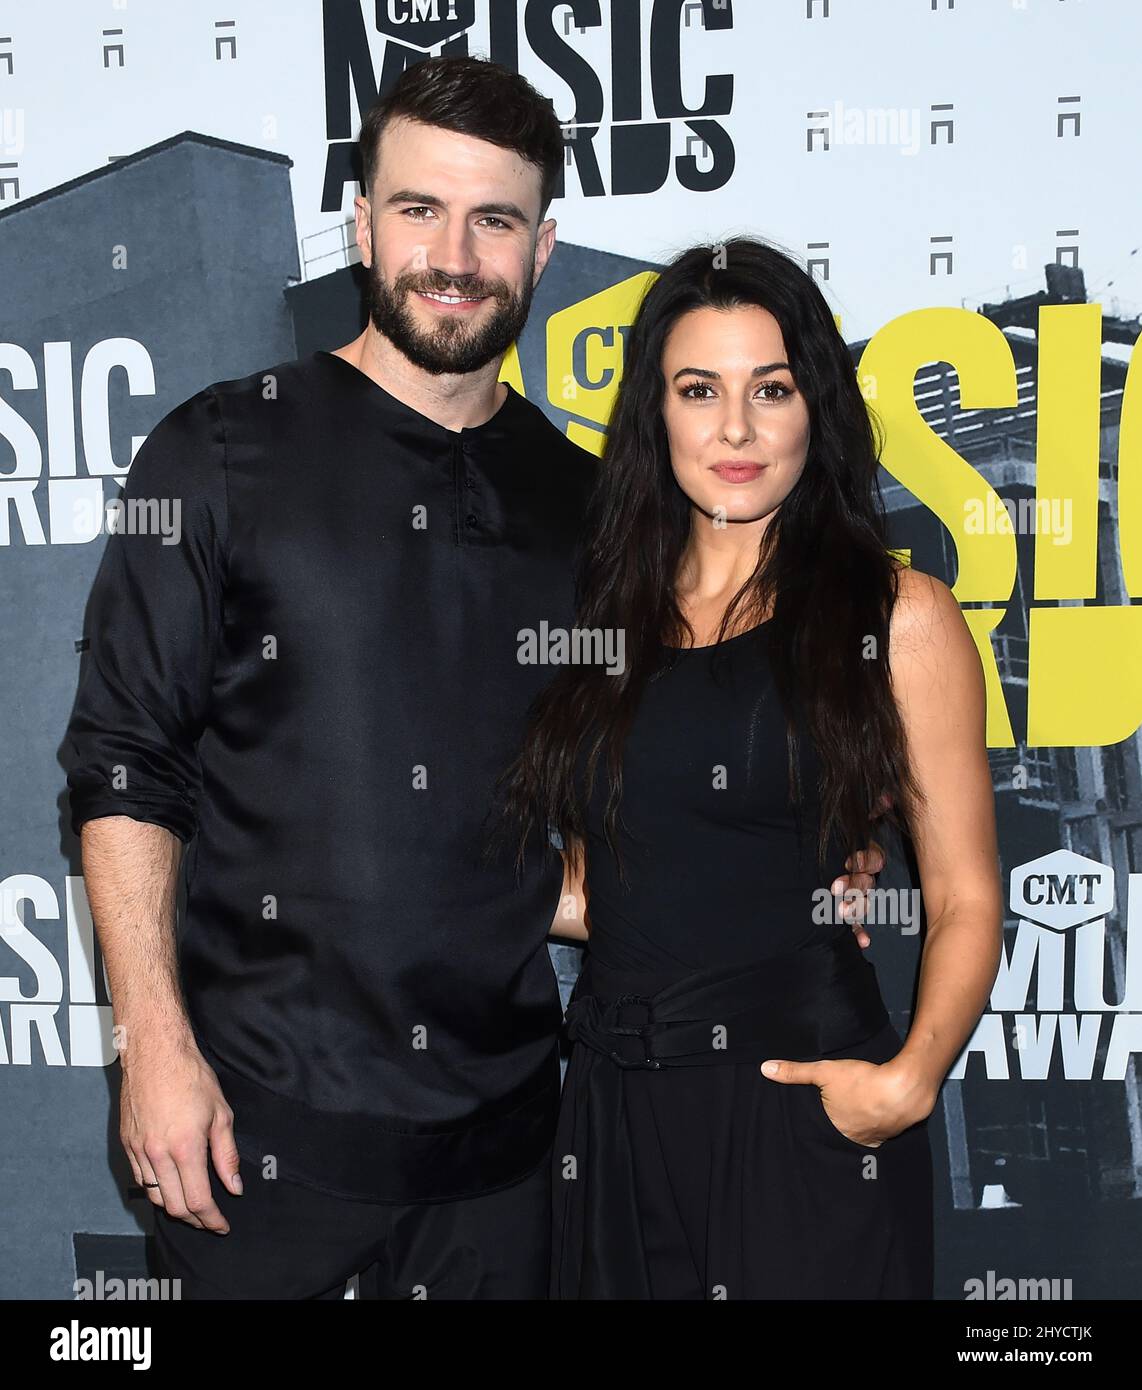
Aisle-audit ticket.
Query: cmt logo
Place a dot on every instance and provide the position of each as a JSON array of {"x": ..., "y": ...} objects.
[
  {"x": 1061, "y": 958},
  {"x": 424, "y": 23},
  {"x": 585, "y": 345},
  {"x": 44, "y": 499},
  {"x": 617, "y": 143},
  {"x": 42, "y": 985}
]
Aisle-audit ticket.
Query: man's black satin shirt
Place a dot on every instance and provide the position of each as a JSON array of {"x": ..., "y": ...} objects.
[{"x": 316, "y": 688}]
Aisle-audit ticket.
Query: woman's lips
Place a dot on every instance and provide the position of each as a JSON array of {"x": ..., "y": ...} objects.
[{"x": 738, "y": 472}]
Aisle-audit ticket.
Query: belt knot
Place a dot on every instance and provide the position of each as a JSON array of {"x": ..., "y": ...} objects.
[{"x": 622, "y": 1028}]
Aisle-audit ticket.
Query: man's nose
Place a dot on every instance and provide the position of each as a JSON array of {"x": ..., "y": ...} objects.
[{"x": 453, "y": 251}]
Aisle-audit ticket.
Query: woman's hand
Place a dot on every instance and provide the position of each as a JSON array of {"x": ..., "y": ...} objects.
[
  {"x": 852, "y": 887},
  {"x": 868, "y": 1102}
]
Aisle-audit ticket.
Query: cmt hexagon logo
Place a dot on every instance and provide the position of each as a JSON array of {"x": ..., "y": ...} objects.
[
  {"x": 1062, "y": 890},
  {"x": 424, "y": 24},
  {"x": 585, "y": 345}
]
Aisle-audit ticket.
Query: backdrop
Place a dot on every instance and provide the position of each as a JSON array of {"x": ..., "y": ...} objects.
[{"x": 176, "y": 184}]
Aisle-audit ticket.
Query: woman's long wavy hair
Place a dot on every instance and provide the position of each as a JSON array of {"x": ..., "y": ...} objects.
[{"x": 823, "y": 572}]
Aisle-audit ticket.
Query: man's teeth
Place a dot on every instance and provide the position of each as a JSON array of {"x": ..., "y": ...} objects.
[{"x": 452, "y": 298}]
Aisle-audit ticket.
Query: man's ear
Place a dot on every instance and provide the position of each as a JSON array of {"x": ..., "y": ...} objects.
[
  {"x": 544, "y": 245},
  {"x": 363, "y": 217}
]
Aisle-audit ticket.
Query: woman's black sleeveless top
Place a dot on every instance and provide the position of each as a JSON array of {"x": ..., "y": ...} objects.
[{"x": 721, "y": 867}]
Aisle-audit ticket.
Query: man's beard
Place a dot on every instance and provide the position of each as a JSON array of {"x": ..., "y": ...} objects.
[{"x": 453, "y": 346}]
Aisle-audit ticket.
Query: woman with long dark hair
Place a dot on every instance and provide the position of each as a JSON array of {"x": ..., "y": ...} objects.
[{"x": 784, "y": 677}]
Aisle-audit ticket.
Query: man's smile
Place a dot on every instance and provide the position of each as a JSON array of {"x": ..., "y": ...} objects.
[{"x": 452, "y": 301}]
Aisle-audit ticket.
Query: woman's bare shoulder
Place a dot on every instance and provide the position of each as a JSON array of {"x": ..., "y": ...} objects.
[{"x": 926, "y": 612}]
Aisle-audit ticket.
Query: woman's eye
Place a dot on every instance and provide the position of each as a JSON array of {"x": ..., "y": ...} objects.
[{"x": 704, "y": 386}]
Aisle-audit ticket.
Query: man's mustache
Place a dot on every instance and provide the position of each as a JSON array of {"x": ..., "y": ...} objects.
[{"x": 436, "y": 284}]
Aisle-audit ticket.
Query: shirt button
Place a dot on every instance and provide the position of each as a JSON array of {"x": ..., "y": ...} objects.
[
  {"x": 471, "y": 519},
  {"x": 469, "y": 482}
]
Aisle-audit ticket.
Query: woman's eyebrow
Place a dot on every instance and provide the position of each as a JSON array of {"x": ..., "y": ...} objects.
[{"x": 716, "y": 376}]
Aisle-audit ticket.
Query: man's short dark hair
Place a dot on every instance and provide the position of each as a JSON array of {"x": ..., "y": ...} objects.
[{"x": 476, "y": 97}]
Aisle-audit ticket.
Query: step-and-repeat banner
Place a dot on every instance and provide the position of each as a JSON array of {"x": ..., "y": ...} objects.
[{"x": 176, "y": 186}]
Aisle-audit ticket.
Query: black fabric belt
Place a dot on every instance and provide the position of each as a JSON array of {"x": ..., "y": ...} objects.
[{"x": 799, "y": 1006}]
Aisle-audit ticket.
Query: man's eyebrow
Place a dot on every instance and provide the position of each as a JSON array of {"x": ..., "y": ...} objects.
[
  {"x": 410, "y": 195},
  {"x": 716, "y": 376}
]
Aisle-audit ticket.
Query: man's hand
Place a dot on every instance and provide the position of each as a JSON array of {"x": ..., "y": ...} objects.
[
  {"x": 172, "y": 1116},
  {"x": 865, "y": 865}
]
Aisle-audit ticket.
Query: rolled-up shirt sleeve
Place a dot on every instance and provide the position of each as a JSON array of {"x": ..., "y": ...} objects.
[{"x": 152, "y": 627}]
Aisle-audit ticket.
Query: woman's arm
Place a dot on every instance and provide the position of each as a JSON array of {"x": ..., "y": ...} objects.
[
  {"x": 570, "y": 920},
  {"x": 938, "y": 682},
  {"x": 939, "y": 685}
]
